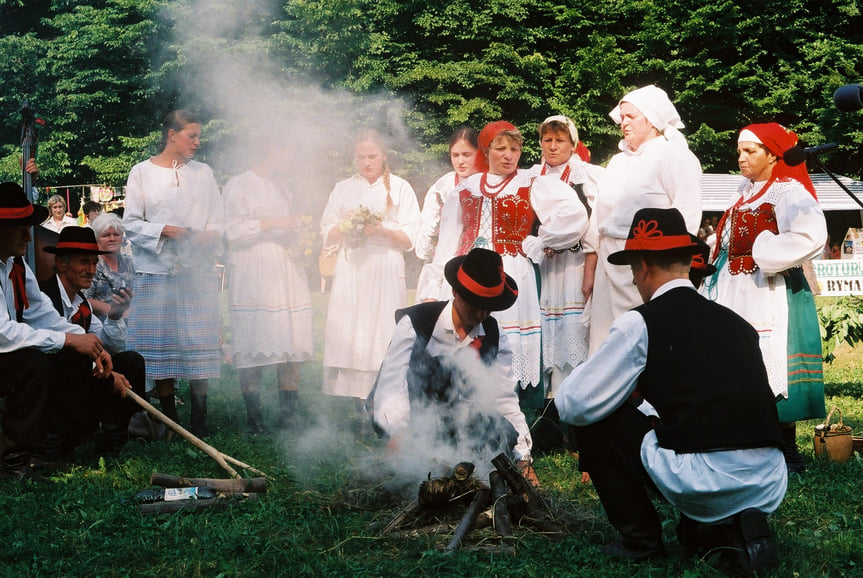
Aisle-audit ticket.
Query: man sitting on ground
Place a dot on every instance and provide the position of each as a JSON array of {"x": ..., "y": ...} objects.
[
  {"x": 707, "y": 439},
  {"x": 35, "y": 341},
  {"x": 447, "y": 376},
  {"x": 79, "y": 410}
]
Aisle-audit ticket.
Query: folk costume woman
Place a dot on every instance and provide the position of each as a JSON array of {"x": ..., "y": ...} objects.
[
  {"x": 654, "y": 169},
  {"x": 773, "y": 226},
  {"x": 269, "y": 301},
  {"x": 564, "y": 335},
  {"x": 174, "y": 219},
  {"x": 498, "y": 209},
  {"x": 431, "y": 285},
  {"x": 374, "y": 216}
]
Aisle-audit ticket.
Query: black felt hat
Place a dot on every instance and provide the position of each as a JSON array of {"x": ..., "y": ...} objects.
[
  {"x": 16, "y": 209},
  {"x": 655, "y": 231},
  {"x": 76, "y": 240},
  {"x": 479, "y": 279}
]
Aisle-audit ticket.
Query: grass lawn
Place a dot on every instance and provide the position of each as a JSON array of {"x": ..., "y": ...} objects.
[{"x": 329, "y": 497}]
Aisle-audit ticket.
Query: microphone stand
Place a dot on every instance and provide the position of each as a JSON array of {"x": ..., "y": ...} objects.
[{"x": 837, "y": 181}]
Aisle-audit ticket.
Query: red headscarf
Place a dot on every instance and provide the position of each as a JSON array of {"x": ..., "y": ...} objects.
[
  {"x": 779, "y": 139},
  {"x": 486, "y": 136}
]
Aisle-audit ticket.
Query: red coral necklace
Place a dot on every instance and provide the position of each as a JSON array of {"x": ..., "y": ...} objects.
[{"x": 492, "y": 190}]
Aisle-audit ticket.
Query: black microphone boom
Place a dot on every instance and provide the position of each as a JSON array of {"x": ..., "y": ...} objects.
[
  {"x": 849, "y": 98},
  {"x": 798, "y": 155}
]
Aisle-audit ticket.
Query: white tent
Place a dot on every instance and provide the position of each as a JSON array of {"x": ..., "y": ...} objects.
[{"x": 716, "y": 190}]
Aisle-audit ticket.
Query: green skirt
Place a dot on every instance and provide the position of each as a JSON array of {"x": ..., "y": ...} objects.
[{"x": 805, "y": 370}]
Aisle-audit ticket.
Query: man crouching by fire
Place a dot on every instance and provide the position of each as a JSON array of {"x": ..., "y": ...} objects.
[{"x": 446, "y": 391}]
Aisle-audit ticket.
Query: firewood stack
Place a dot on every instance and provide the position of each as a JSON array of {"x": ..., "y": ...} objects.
[{"x": 508, "y": 495}]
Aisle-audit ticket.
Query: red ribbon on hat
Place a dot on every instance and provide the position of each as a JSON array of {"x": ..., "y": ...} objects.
[
  {"x": 698, "y": 262},
  {"x": 646, "y": 236},
  {"x": 82, "y": 246},
  {"x": 16, "y": 212},
  {"x": 481, "y": 290}
]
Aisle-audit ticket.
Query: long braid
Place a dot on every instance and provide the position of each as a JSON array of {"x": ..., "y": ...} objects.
[{"x": 386, "y": 179}]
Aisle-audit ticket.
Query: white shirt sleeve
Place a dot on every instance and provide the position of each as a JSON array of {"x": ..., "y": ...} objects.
[
  {"x": 392, "y": 400},
  {"x": 802, "y": 233},
  {"x": 600, "y": 385}
]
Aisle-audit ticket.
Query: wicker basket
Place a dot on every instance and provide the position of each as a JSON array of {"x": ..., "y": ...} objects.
[{"x": 833, "y": 441}]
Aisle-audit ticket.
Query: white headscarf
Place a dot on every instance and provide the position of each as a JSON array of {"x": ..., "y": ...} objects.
[
  {"x": 655, "y": 105},
  {"x": 565, "y": 120}
]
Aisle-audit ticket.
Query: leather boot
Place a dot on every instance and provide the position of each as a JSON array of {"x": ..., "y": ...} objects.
[
  {"x": 199, "y": 415},
  {"x": 169, "y": 407},
  {"x": 758, "y": 553},
  {"x": 287, "y": 409},
  {"x": 254, "y": 421},
  {"x": 793, "y": 457},
  {"x": 15, "y": 463}
]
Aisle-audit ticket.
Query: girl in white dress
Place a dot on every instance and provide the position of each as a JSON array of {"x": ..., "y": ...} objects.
[
  {"x": 431, "y": 285},
  {"x": 270, "y": 305},
  {"x": 369, "y": 280},
  {"x": 174, "y": 218}
]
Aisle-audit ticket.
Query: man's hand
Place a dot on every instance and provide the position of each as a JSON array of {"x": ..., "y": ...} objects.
[
  {"x": 121, "y": 384},
  {"x": 525, "y": 468},
  {"x": 86, "y": 344},
  {"x": 103, "y": 366}
]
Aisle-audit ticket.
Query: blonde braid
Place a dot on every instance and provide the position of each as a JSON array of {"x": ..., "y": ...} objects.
[{"x": 386, "y": 179}]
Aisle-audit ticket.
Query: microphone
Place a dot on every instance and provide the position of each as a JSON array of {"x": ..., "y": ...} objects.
[
  {"x": 849, "y": 98},
  {"x": 797, "y": 155}
]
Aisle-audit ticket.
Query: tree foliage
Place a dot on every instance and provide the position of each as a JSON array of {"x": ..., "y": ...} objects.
[{"x": 102, "y": 72}]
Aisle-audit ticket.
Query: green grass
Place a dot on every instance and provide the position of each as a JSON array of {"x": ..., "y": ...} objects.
[{"x": 330, "y": 496}]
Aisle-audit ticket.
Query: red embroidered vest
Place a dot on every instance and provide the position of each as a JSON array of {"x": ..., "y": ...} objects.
[
  {"x": 512, "y": 220},
  {"x": 745, "y": 225}
]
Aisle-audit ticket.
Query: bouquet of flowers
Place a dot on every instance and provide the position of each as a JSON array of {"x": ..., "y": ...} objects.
[
  {"x": 307, "y": 242},
  {"x": 353, "y": 226}
]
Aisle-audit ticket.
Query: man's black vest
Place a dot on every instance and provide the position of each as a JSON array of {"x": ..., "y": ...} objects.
[
  {"x": 705, "y": 376},
  {"x": 51, "y": 288},
  {"x": 433, "y": 379}
]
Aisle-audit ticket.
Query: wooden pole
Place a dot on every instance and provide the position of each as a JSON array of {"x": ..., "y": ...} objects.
[{"x": 220, "y": 458}]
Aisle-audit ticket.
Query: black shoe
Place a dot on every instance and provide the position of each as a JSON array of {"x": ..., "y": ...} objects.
[
  {"x": 759, "y": 552},
  {"x": 620, "y": 549},
  {"x": 16, "y": 466}
]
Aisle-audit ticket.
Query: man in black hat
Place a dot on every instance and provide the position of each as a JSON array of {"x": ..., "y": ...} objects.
[
  {"x": 32, "y": 338},
  {"x": 664, "y": 405},
  {"x": 90, "y": 402},
  {"x": 447, "y": 373}
]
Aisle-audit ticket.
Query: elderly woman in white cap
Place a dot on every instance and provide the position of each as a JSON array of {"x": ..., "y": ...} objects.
[{"x": 655, "y": 169}]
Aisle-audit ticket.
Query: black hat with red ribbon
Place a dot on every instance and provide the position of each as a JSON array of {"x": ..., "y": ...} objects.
[
  {"x": 479, "y": 279},
  {"x": 16, "y": 209},
  {"x": 656, "y": 231},
  {"x": 76, "y": 240}
]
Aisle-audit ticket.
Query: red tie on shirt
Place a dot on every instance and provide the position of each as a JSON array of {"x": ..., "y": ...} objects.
[
  {"x": 82, "y": 316},
  {"x": 18, "y": 277},
  {"x": 476, "y": 343}
]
